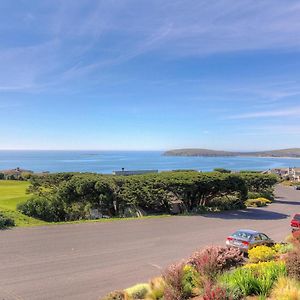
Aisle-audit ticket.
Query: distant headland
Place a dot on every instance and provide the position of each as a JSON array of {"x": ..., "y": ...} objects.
[{"x": 289, "y": 153}]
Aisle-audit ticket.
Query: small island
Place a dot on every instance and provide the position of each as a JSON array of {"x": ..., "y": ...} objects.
[{"x": 289, "y": 153}]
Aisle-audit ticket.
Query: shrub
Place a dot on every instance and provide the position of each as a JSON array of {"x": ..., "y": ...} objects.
[
  {"x": 226, "y": 203},
  {"x": 286, "y": 289},
  {"x": 241, "y": 280},
  {"x": 258, "y": 202},
  {"x": 292, "y": 261},
  {"x": 261, "y": 253},
  {"x": 268, "y": 194},
  {"x": 222, "y": 170},
  {"x": 214, "y": 292},
  {"x": 282, "y": 248},
  {"x": 173, "y": 277},
  {"x": 157, "y": 288},
  {"x": 267, "y": 274},
  {"x": 253, "y": 195},
  {"x": 117, "y": 295},
  {"x": 210, "y": 261},
  {"x": 190, "y": 281},
  {"x": 296, "y": 239},
  {"x": 181, "y": 282},
  {"x": 51, "y": 210},
  {"x": 138, "y": 291},
  {"x": 77, "y": 211},
  {"x": 6, "y": 222},
  {"x": 254, "y": 279}
]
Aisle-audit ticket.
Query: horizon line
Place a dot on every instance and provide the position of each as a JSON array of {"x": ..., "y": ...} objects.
[{"x": 154, "y": 150}]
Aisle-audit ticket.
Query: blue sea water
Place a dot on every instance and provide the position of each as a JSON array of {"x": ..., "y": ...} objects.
[{"x": 108, "y": 161}]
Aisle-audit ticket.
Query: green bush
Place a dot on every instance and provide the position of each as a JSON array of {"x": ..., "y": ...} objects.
[
  {"x": 254, "y": 279},
  {"x": 259, "y": 183},
  {"x": 261, "y": 254},
  {"x": 226, "y": 203},
  {"x": 6, "y": 222},
  {"x": 268, "y": 194},
  {"x": 51, "y": 210},
  {"x": 77, "y": 211},
  {"x": 138, "y": 291},
  {"x": 241, "y": 280},
  {"x": 190, "y": 281},
  {"x": 282, "y": 248}
]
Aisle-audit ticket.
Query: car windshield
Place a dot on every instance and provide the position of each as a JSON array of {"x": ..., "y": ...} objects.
[
  {"x": 242, "y": 234},
  {"x": 297, "y": 217}
]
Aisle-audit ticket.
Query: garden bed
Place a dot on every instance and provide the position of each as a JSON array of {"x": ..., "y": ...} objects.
[{"x": 219, "y": 273}]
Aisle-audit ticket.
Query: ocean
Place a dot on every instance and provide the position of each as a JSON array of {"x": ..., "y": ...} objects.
[{"x": 108, "y": 161}]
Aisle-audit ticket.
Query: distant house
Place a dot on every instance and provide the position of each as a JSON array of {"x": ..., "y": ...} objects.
[
  {"x": 295, "y": 174},
  {"x": 15, "y": 173},
  {"x": 133, "y": 172},
  {"x": 292, "y": 174}
]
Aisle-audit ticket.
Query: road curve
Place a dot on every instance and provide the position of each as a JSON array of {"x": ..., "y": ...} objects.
[{"x": 85, "y": 261}]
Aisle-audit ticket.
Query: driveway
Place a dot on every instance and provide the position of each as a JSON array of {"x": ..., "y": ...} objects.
[{"x": 85, "y": 261}]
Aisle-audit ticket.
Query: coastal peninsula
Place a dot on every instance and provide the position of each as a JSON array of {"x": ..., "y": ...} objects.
[{"x": 289, "y": 153}]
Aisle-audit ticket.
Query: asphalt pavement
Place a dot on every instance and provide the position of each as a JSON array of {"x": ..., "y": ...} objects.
[{"x": 85, "y": 261}]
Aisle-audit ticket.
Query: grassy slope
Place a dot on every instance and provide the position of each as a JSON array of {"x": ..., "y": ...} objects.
[{"x": 12, "y": 193}]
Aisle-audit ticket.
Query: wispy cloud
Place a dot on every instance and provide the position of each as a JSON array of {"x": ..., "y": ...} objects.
[
  {"x": 293, "y": 111},
  {"x": 76, "y": 38}
]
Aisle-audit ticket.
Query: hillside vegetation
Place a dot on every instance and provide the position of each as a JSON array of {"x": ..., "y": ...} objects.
[
  {"x": 292, "y": 152},
  {"x": 69, "y": 197}
]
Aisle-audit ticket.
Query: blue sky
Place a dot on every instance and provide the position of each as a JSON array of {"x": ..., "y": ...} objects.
[{"x": 146, "y": 75}]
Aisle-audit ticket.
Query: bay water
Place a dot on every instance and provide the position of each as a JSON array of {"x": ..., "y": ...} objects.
[{"x": 108, "y": 161}]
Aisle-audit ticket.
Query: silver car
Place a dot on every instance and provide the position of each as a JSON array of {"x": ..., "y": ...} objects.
[{"x": 245, "y": 239}]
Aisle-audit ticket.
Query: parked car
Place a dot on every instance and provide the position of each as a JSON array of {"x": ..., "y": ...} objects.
[
  {"x": 295, "y": 223},
  {"x": 245, "y": 239},
  {"x": 297, "y": 187}
]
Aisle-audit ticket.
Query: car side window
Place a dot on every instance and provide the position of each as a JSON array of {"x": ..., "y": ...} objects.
[
  {"x": 257, "y": 237},
  {"x": 263, "y": 237}
]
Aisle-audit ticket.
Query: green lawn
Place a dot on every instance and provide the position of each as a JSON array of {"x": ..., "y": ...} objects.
[{"x": 11, "y": 193}]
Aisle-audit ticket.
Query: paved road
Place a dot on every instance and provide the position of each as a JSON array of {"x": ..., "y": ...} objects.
[{"x": 85, "y": 261}]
